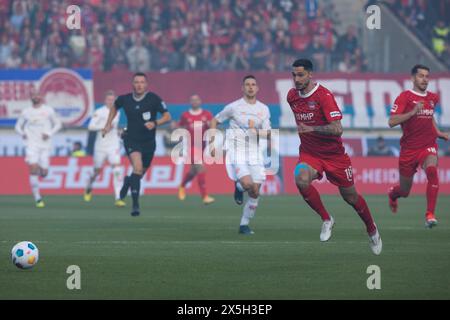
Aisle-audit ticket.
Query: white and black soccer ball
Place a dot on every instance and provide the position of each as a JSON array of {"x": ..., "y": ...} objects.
[{"x": 25, "y": 255}]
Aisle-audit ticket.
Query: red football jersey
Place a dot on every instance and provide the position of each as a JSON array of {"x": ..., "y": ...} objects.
[
  {"x": 188, "y": 119},
  {"x": 418, "y": 131},
  {"x": 316, "y": 108}
]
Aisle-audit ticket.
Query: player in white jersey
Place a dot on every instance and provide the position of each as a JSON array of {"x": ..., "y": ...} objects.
[
  {"x": 249, "y": 119},
  {"x": 37, "y": 124},
  {"x": 106, "y": 148}
]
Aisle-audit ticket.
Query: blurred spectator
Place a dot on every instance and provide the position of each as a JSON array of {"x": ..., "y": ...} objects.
[
  {"x": 144, "y": 35},
  {"x": 138, "y": 57},
  {"x": 380, "y": 149},
  {"x": 440, "y": 35},
  {"x": 77, "y": 150}
]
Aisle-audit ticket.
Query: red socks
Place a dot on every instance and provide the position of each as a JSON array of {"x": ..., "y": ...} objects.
[
  {"x": 397, "y": 193},
  {"x": 432, "y": 188},
  {"x": 201, "y": 179},
  {"x": 312, "y": 198},
  {"x": 364, "y": 213},
  {"x": 188, "y": 177}
]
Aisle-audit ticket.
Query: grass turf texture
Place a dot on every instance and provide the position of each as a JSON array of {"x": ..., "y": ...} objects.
[{"x": 185, "y": 250}]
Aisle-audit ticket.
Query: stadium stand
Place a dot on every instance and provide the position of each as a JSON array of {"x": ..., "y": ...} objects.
[{"x": 155, "y": 35}]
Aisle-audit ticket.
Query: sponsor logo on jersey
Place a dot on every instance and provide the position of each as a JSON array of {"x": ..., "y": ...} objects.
[
  {"x": 335, "y": 114},
  {"x": 311, "y": 105},
  {"x": 305, "y": 116},
  {"x": 146, "y": 116},
  {"x": 425, "y": 112}
]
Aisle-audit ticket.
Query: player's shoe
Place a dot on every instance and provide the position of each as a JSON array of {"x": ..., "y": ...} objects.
[
  {"x": 208, "y": 200},
  {"x": 238, "y": 195},
  {"x": 181, "y": 193},
  {"x": 327, "y": 227},
  {"x": 40, "y": 204},
  {"x": 120, "y": 203},
  {"x": 375, "y": 243},
  {"x": 430, "y": 220},
  {"x": 135, "y": 212},
  {"x": 125, "y": 187},
  {"x": 87, "y": 196},
  {"x": 245, "y": 230},
  {"x": 393, "y": 204}
]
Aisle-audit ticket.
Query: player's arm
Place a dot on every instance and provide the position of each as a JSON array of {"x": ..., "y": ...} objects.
[
  {"x": 20, "y": 125},
  {"x": 112, "y": 114},
  {"x": 440, "y": 134},
  {"x": 96, "y": 123},
  {"x": 166, "y": 116},
  {"x": 56, "y": 125},
  {"x": 334, "y": 128},
  {"x": 332, "y": 114},
  {"x": 397, "y": 117}
]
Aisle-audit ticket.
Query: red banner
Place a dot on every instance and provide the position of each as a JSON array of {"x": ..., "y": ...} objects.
[
  {"x": 372, "y": 175},
  {"x": 69, "y": 176}
]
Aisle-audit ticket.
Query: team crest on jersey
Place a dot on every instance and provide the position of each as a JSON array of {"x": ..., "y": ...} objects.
[
  {"x": 146, "y": 116},
  {"x": 432, "y": 104},
  {"x": 311, "y": 105}
]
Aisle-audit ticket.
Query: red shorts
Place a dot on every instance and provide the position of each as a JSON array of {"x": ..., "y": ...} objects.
[
  {"x": 338, "y": 169},
  {"x": 410, "y": 159}
]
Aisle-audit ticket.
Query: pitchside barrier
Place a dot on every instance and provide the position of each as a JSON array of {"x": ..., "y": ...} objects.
[{"x": 69, "y": 175}]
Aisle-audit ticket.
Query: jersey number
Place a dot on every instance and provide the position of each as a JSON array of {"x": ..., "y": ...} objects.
[
  {"x": 432, "y": 150},
  {"x": 349, "y": 173}
]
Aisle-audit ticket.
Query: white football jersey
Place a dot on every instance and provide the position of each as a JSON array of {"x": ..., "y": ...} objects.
[
  {"x": 98, "y": 122},
  {"x": 241, "y": 113},
  {"x": 35, "y": 122}
]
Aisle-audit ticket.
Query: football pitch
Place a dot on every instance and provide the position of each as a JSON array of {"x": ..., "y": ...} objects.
[{"x": 185, "y": 250}]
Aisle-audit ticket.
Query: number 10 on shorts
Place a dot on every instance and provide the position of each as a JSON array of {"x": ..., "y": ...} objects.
[{"x": 349, "y": 173}]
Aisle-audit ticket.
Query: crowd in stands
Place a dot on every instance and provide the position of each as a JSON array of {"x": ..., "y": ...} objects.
[
  {"x": 430, "y": 20},
  {"x": 160, "y": 35}
]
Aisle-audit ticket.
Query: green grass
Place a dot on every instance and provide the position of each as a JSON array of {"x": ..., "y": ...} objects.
[{"x": 188, "y": 251}]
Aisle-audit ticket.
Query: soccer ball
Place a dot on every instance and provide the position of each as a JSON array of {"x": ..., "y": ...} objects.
[{"x": 25, "y": 255}]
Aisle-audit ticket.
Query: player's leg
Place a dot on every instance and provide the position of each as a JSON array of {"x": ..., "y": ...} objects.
[
  {"x": 34, "y": 171},
  {"x": 430, "y": 166},
  {"x": 135, "y": 179},
  {"x": 248, "y": 212},
  {"x": 186, "y": 179},
  {"x": 350, "y": 195},
  {"x": 304, "y": 175},
  {"x": 201, "y": 180},
  {"x": 32, "y": 159},
  {"x": 99, "y": 160},
  {"x": 114, "y": 160},
  {"x": 408, "y": 163}
]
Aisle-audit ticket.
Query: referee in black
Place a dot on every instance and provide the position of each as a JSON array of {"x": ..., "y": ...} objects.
[{"x": 141, "y": 108}]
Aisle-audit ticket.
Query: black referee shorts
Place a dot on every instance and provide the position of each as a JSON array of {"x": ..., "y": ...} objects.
[{"x": 146, "y": 148}]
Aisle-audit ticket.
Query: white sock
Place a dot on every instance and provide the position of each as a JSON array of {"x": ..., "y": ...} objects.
[
  {"x": 117, "y": 181},
  {"x": 249, "y": 211},
  {"x": 34, "y": 183},
  {"x": 239, "y": 186}
]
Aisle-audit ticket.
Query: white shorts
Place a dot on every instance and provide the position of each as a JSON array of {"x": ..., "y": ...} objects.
[
  {"x": 237, "y": 171},
  {"x": 112, "y": 155},
  {"x": 38, "y": 155}
]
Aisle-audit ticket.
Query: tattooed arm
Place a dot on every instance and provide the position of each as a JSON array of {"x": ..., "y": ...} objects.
[{"x": 334, "y": 128}]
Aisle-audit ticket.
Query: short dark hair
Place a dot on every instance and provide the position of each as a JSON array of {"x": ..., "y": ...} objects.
[
  {"x": 305, "y": 63},
  {"x": 416, "y": 68},
  {"x": 139, "y": 74},
  {"x": 250, "y": 76}
]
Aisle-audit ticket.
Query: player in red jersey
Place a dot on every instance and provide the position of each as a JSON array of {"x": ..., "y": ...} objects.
[
  {"x": 413, "y": 110},
  {"x": 321, "y": 150},
  {"x": 201, "y": 119}
]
